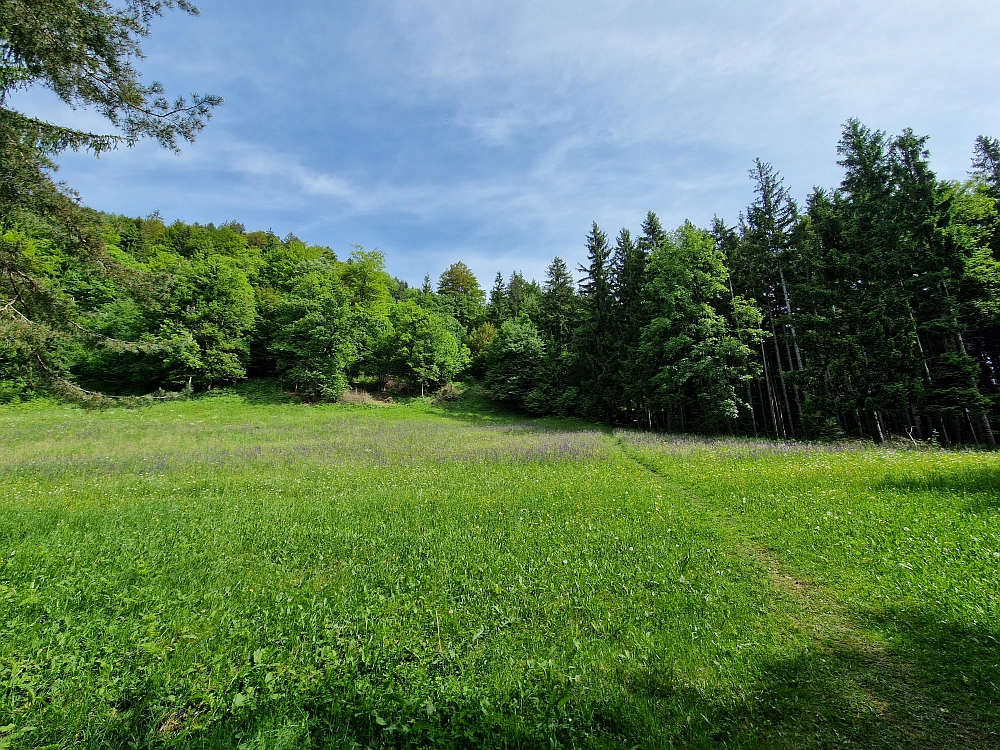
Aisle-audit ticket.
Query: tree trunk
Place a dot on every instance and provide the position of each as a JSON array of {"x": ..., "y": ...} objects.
[{"x": 781, "y": 377}]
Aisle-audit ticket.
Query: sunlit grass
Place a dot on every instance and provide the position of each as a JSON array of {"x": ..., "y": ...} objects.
[
  {"x": 216, "y": 573},
  {"x": 894, "y": 554}
]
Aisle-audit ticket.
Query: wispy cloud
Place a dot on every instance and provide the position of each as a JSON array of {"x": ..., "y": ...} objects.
[{"x": 494, "y": 132}]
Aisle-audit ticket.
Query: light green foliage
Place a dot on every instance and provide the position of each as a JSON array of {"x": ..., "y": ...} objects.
[
  {"x": 481, "y": 337},
  {"x": 461, "y": 296},
  {"x": 975, "y": 227},
  {"x": 210, "y": 573},
  {"x": 211, "y": 308},
  {"x": 281, "y": 259},
  {"x": 690, "y": 344},
  {"x": 424, "y": 348},
  {"x": 365, "y": 277},
  {"x": 61, "y": 310},
  {"x": 314, "y": 340},
  {"x": 84, "y": 52},
  {"x": 478, "y": 342},
  {"x": 31, "y": 262},
  {"x": 459, "y": 281}
]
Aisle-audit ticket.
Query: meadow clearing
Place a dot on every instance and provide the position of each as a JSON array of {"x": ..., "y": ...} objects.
[{"x": 236, "y": 571}]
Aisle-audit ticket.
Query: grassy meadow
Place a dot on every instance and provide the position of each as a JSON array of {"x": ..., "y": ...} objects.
[{"x": 234, "y": 571}]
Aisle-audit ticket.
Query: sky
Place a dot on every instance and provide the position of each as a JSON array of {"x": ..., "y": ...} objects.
[{"x": 495, "y": 132}]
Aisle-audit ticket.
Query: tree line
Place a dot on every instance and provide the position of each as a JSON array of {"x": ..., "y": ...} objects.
[
  {"x": 874, "y": 310},
  {"x": 192, "y": 307}
]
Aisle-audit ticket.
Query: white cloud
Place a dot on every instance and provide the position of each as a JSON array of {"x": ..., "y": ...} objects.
[{"x": 496, "y": 131}]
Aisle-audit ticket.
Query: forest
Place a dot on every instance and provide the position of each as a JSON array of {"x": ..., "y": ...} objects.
[{"x": 873, "y": 311}]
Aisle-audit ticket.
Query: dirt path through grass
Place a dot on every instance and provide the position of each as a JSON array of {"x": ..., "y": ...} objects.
[{"x": 854, "y": 679}]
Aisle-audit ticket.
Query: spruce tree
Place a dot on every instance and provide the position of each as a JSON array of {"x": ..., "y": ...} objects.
[
  {"x": 558, "y": 318},
  {"x": 594, "y": 341},
  {"x": 497, "y": 306},
  {"x": 631, "y": 261},
  {"x": 761, "y": 269}
]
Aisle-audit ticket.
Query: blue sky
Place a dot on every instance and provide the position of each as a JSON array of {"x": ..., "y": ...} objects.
[{"x": 495, "y": 132}]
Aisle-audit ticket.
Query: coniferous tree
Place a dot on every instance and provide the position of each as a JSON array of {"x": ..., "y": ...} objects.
[
  {"x": 558, "y": 306},
  {"x": 594, "y": 340},
  {"x": 761, "y": 268},
  {"x": 630, "y": 263},
  {"x": 496, "y": 309},
  {"x": 521, "y": 297},
  {"x": 84, "y": 52},
  {"x": 558, "y": 317}
]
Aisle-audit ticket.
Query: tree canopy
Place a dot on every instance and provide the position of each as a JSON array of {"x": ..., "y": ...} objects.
[{"x": 85, "y": 52}]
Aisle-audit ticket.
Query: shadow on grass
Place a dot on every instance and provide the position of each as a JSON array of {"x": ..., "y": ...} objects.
[
  {"x": 258, "y": 392},
  {"x": 475, "y": 408},
  {"x": 982, "y": 482},
  {"x": 934, "y": 686}
]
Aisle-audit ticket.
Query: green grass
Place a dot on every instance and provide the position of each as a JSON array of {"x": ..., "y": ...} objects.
[{"x": 237, "y": 571}]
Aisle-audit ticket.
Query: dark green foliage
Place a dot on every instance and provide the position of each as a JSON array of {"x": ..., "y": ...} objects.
[
  {"x": 595, "y": 342},
  {"x": 632, "y": 314},
  {"x": 559, "y": 306},
  {"x": 873, "y": 313},
  {"x": 882, "y": 260},
  {"x": 514, "y": 361},
  {"x": 495, "y": 309}
]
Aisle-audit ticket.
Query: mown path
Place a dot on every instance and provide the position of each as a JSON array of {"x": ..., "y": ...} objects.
[{"x": 857, "y": 687}]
